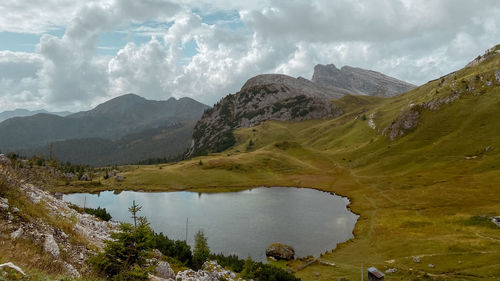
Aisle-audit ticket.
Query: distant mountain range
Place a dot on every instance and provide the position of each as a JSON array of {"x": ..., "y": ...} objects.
[
  {"x": 123, "y": 130},
  {"x": 24, "y": 112},
  {"x": 282, "y": 97}
]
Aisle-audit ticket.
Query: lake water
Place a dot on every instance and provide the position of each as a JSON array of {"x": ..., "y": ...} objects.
[{"x": 242, "y": 223}]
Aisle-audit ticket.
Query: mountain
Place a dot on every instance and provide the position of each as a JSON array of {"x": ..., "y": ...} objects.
[
  {"x": 24, "y": 112},
  {"x": 421, "y": 169},
  {"x": 125, "y": 129},
  {"x": 264, "y": 97},
  {"x": 284, "y": 98},
  {"x": 359, "y": 81}
]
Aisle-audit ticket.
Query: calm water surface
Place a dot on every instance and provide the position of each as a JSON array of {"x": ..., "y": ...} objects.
[{"x": 244, "y": 223}]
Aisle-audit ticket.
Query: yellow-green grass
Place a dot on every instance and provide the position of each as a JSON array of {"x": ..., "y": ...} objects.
[{"x": 414, "y": 195}]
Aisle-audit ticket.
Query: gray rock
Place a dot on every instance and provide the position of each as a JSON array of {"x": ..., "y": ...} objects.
[
  {"x": 15, "y": 210},
  {"x": 391, "y": 270},
  {"x": 496, "y": 220},
  {"x": 163, "y": 270},
  {"x": 280, "y": 251},
  {"x": 119, "y": 178},
  {"x": 85, "y": 177},
  {"x": 264, "y": 97},
  {"x": 497, "y": 75},
  {"x": 405, "y": 122},
  {"x": 359, "y": 81},
  {"x": 16, "y": 234},
  {"x": 430, "y": 265},
  {"x": 71, "y": 269},
  {"x": 416, "y": 259},
  {"x": 4, "y": 204},
  {"x": 5, "y": 161},
  {"x": 50, "y": 246}
]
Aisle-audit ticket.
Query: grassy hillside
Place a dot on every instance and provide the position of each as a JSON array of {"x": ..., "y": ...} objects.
[{"x": 422, "y": 194}]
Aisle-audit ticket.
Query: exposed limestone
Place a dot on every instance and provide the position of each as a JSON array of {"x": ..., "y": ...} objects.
[
  {"x": 4, "y": 204},
  {"x": 50, "y": 246},
  {"x": 163, "y": 270},
  {"x": 16, "y": 234},
  {"x": 211, "y": 271},
  {"x": 355, "y": 80},
  {"x": 405, "y": 122},
  {"x": 391, "y": 270},
  {"x": 497, "y": 75},
  {"x": 71, "y": 270},
  {"x": 264, "y": 97}
]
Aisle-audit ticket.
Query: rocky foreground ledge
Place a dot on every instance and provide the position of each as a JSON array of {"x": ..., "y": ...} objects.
[
  {"x": 66, "y": 235},
  {"x": 86, "y": 233}
]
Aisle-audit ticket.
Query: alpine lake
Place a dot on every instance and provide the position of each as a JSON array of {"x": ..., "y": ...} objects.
[{"x": 244, "y": 223}]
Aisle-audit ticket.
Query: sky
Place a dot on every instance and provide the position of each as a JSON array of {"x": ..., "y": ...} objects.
[{"x": 75, "y": 54}]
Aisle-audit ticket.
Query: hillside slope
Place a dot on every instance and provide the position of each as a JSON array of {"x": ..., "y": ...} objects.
[{"x": 421, "y": 169}]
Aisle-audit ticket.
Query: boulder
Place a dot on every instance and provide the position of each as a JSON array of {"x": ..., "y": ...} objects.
[
  {"x": 119, "y": 178},
  {"x": 16, "y": 234},
  {"x": 391, "y": 270},
  {"x": 50, "y": 246},
  {"x": 416, "y": 259},
  {"x": 280, "y": 251},
  {"x": 163, "y": 270}
]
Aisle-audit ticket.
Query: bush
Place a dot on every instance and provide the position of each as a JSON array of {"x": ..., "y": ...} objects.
[
  {"x": 176, "y": 249},
  {"x": 99, "y": 212}
]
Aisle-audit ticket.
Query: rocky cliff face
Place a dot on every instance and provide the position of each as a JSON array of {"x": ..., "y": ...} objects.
[
  {"x": 358, "y": 81},
  {"x": 264, "y": 97}
]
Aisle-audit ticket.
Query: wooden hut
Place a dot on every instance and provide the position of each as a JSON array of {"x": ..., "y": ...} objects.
[{"x": 375, "y": 274}]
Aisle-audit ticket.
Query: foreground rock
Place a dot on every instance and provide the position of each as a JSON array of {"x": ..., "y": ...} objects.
[
  {"x": 280, "y": 251},
  {"x": 85, "y": 233},
  {"x": 211, "y": 271}
]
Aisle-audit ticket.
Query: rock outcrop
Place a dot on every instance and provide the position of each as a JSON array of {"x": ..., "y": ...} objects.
[
  {"x": 358, "y": 81},
  {"x": 264, "y": 97},
  {"x": 211, "y": 271},
  {"x": 280, "y": 251},
  {"x": 65, "y": 249}
]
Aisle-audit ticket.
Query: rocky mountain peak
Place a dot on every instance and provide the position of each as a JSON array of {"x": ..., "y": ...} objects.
[{"x": 358, "y": 81}]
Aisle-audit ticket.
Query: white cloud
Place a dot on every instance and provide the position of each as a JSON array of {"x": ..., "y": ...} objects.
[{"x": 409, "y": 39}]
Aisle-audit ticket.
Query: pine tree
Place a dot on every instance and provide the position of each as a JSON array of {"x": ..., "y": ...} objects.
[
  {"x": 201, "y": 251},
  {"x": 134, "y": 209}
]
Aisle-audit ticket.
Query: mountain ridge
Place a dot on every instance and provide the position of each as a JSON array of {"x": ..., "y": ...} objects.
[
  {"x": 285, "y": 98},
  {"x": 21, "y": 112},
  {"x": 108, "y": 125}
]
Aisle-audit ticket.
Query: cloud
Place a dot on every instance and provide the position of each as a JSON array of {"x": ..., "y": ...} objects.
[
  {"x": 408, "y": 39},
  {"x": 18, "y": 79}
]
